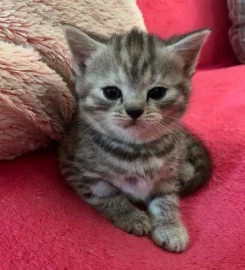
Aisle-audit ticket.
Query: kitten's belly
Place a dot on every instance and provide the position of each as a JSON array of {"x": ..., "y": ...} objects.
[
  {"x": 139, "y": 181},
  {"x": 136, "y": 187}
]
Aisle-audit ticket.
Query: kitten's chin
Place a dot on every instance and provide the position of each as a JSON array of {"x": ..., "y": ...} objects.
[{"x": 136, "y": 133}]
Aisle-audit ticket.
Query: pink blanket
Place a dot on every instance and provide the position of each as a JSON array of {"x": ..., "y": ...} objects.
[{"x": 44, "y": 225}]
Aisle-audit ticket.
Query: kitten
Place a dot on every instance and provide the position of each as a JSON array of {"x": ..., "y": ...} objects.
[{"x": 126, "y": 142}]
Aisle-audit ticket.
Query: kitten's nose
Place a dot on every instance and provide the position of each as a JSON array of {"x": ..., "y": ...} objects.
[{"x": 134, "y": 113}]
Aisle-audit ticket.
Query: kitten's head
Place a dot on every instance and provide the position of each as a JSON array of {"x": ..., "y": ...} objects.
[{"x": 134, "y": 85}]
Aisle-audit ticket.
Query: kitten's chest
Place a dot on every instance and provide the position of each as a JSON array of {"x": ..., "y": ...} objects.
[
  {"x": 136, "y": 187},
  {"x": 136, "y": 178},
  {"x": 140, "y": 179}
]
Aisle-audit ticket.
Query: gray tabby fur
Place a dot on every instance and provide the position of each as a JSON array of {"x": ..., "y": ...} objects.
[{"x": 112, "y": 161}]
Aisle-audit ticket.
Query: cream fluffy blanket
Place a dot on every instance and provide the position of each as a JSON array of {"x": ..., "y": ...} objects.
[{"x": 35, "y": 72}]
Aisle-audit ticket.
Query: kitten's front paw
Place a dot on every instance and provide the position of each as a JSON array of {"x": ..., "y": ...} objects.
[
  {"x": 136, "y": 222},
  {"x": 171, "y": 237}
]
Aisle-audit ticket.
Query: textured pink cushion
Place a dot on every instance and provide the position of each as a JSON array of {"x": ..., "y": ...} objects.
[
  {"x": 45, "y": 226},
  {"x": 35, "y": 70},
  {"x": 237, "y": 30},
  {"x": 166, "y": 17}
]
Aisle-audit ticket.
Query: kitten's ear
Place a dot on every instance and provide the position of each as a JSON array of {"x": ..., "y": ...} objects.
[
  {"x": 81, "y": 45},
  {"x": 188, "y": 47}
]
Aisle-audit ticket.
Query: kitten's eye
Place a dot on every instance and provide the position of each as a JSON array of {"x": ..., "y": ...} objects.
[
  {"x": 157, "y": 93},
  {"x": 112, "y": 92}
]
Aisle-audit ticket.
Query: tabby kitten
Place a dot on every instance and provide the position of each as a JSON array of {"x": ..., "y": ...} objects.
[{"x": 125, "y": 142}]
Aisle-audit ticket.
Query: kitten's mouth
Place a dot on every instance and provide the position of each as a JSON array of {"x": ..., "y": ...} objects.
[{"x": 133, "y": 124}]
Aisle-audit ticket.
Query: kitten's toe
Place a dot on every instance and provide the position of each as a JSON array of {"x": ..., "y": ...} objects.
[
  {"x": 171, "y": 237},
  {"x": 136, "y": 222}
]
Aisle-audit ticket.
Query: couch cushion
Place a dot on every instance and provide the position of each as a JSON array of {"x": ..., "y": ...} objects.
[
  {"x": 35, "y": 69},
  {"x": 166, "y": 17},
  {"x": 44, "y": 225},
  {"x": 237, "y": 30}
]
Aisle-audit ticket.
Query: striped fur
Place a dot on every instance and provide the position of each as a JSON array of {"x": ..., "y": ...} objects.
[{"x": 112, "y": 160}]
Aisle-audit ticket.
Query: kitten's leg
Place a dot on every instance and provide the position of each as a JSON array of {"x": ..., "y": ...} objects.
[
  {"x": 168, "y": 230},
  {"x": 114, "y": 205}
]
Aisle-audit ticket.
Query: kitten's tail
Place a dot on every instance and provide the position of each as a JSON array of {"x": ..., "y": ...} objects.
[{"x": 199, "y": 157}]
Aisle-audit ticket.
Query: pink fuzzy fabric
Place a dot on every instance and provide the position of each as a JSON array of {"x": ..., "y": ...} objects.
[
  {"x": 34, "y": 101},
  {"x": 44, "y": 225},
  {"x": 166, "y": 17},
  {"x": 35, "y": 71}
]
